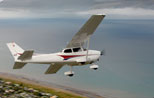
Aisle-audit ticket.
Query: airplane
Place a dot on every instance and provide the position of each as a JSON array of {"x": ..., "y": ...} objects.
[{"x": 73, "y": 55}]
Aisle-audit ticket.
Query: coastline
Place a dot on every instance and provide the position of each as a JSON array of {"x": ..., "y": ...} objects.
[{"x": 56, "y": 89}]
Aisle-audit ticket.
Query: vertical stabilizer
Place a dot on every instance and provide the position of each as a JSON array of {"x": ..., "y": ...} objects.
[{"x": 15, "y": 50}]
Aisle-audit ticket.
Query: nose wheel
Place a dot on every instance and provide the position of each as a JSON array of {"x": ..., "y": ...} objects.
[{"x": 94, "y": 67}]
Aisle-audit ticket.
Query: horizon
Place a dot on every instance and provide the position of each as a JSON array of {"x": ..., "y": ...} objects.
[{"x": 115, "y": 9}]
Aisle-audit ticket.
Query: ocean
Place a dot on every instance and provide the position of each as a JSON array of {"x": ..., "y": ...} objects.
[{"x": 126, "y": 70}]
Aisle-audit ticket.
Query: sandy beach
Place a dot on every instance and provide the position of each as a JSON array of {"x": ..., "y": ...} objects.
[{"x": 58, "y": 88}]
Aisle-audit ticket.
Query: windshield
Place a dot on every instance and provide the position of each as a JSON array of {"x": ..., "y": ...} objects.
[{"x": 76, "y": 49}]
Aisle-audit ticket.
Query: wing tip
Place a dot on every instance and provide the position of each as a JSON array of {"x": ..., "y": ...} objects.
[{"x": 100, "y": 14}]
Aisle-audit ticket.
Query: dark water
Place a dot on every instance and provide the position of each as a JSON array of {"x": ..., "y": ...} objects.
[{"x": 126, "y": 71}]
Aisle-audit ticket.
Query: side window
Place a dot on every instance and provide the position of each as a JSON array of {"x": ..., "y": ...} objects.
[
  {"x": 68, "y": 51},
  {"x": 76, "y": 49}
]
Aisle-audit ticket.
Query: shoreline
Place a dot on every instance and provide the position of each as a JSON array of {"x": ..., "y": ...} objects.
[{"x": 48, "y": 86}]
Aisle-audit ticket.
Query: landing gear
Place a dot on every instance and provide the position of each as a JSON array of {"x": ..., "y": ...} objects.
[
  {"x": 94, "y": 67},
  {"x": 69, "y": 73}
]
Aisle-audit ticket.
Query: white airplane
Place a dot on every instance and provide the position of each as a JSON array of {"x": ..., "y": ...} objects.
[{"x": 73, "y": 55}]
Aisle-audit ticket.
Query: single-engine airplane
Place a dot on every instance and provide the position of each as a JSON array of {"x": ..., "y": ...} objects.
[{"x": 73, "y": 55}]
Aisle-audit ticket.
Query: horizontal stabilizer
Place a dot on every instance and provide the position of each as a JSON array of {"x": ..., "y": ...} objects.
[
  {"x": 26, "y": 55},
  {"x": 53, "y": 68},
  {"x": 18, "y": 65}
]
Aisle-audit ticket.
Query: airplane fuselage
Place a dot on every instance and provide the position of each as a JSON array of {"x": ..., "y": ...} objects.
[{"x": 73, "y": 59}]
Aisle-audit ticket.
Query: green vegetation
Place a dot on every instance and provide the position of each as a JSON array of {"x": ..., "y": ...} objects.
[{"x": 59, "y": 93}]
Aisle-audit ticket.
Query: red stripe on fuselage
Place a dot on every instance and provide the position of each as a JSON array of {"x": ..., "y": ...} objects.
[
  {"x": 70, "y": 56},
  {"x": 19, "y": 53}
]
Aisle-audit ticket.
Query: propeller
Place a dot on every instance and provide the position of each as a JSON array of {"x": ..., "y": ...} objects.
[{"x": 103, "y": 52}]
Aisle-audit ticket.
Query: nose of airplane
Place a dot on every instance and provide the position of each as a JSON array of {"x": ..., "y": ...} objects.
[{"x": 102, "y": 52}]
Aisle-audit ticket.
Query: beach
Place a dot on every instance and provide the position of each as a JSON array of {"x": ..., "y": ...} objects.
[{"x": 57, "y": 89}]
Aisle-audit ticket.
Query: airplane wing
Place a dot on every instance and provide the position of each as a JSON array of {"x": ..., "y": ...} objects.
[
  {"x": 54, "y": 68},
  {"x": 26, "y": 55},
  {"x": 86, "y": 31}
]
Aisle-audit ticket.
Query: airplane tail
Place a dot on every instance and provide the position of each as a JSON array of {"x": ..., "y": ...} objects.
[
  {"x": 15, "y": 50},
  {"x": 19, "y": 54}
]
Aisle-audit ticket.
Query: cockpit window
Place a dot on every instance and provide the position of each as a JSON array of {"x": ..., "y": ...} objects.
[
  {"x": 76, "y": 49},
  {"x": 68, "y": 51}
]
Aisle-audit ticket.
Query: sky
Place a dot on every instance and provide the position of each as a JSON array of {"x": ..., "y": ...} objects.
[
  {"x": 126, "y": 71},
  {"x": 127, "y": 9}
]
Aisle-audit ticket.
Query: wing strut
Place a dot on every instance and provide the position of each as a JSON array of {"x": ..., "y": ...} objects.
[{"x": 87, "y": 48}]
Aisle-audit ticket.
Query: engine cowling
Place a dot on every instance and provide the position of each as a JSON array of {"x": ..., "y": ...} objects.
[
  {"x": 95, "y": 67},
  {"x": 69, "y": 73}
]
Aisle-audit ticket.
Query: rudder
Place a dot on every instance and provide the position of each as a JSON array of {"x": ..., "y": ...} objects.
[{"x": 15, "y": 50}]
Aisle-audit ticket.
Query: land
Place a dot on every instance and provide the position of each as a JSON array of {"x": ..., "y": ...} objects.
[
  {"x": 14, "y": 90},
  {"x": 13, "y": 86}
]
